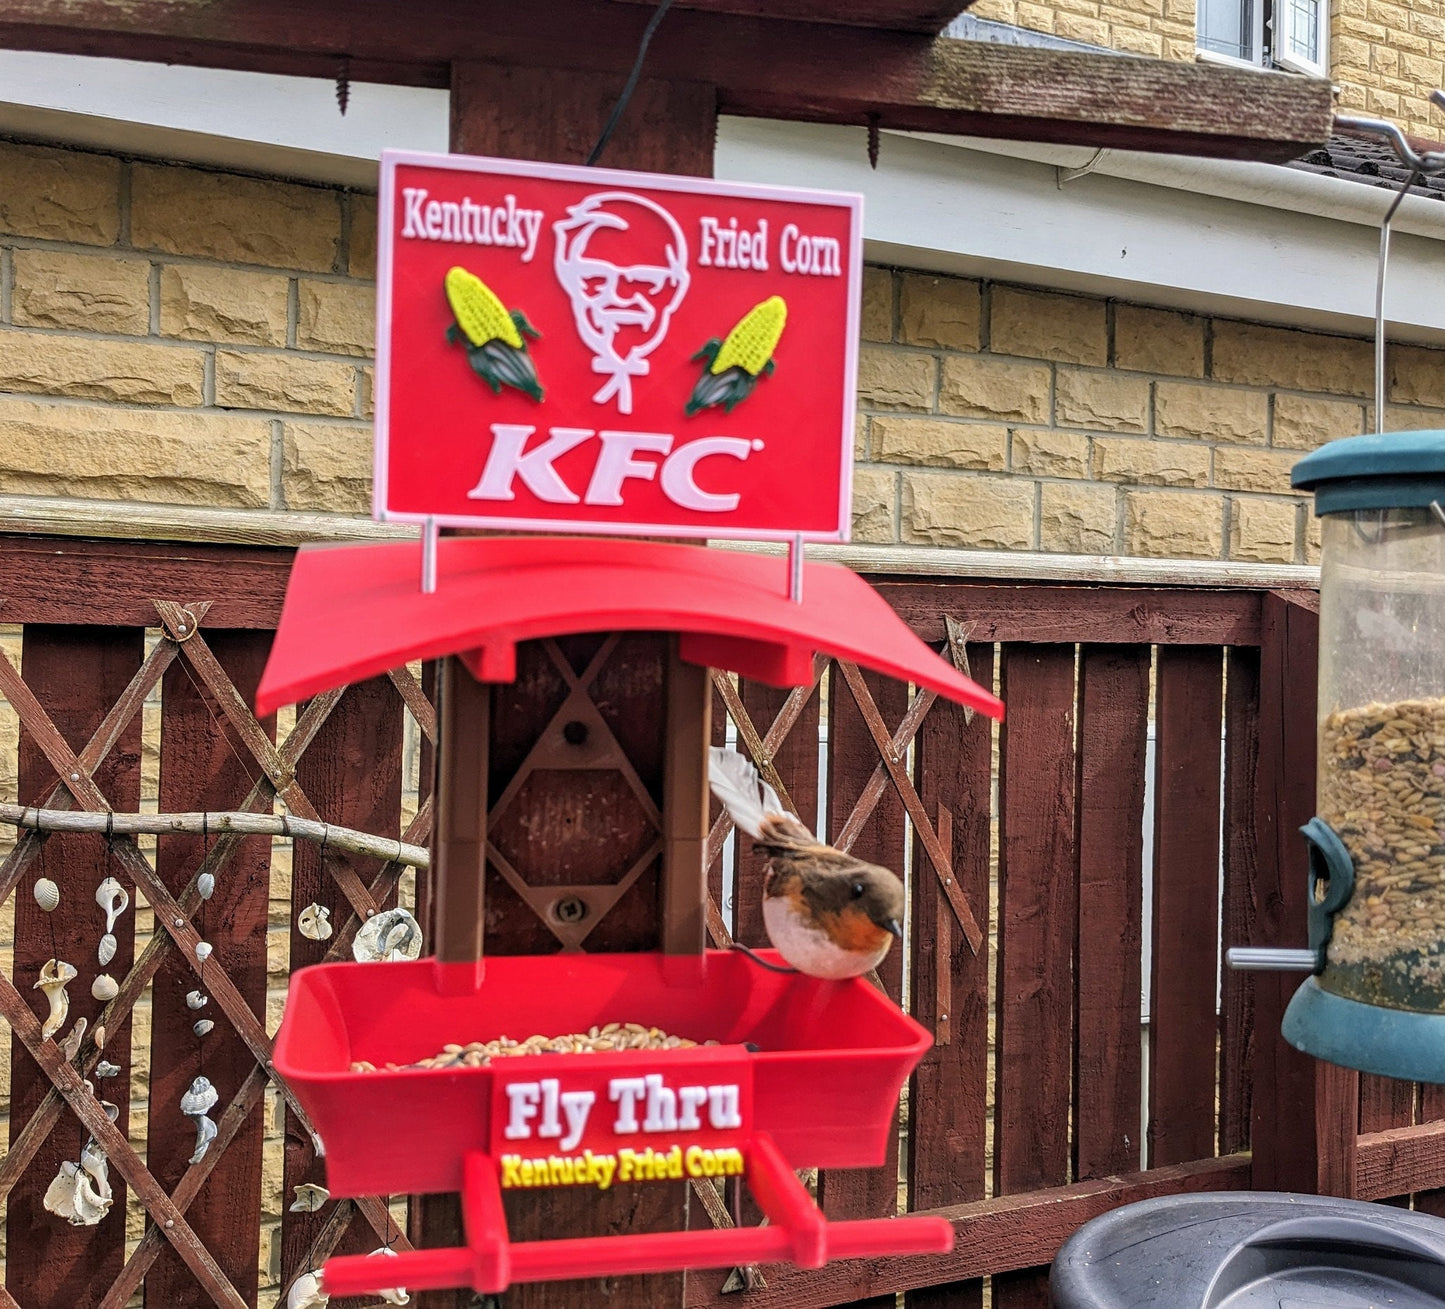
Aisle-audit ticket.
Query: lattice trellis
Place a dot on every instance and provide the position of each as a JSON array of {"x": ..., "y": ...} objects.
[{"x": 76, "y": 788}]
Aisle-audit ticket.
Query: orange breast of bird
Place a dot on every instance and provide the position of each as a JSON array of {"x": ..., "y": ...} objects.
[{"x": 848, "y": 927}]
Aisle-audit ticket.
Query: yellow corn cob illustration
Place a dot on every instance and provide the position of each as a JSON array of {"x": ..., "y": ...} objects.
[
  {"x": 493, "y": 336},
  {"x": 732, "y": 367},
  {"x": 479, "y": 313},
  {"x": 751, "y": 343}
]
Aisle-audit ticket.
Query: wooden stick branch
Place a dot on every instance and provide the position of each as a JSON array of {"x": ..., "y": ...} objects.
[{"x": 244, "y": 824}]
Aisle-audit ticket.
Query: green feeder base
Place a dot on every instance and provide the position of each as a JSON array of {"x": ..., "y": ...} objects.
[{"x": 1399, "y": 1043}]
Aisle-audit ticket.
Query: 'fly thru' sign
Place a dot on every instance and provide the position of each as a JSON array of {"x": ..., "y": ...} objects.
[{"x": 580, "y": 349}]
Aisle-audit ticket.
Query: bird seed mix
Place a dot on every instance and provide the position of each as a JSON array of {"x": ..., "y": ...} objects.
[
  {"x": 596, "y": 1040},
  {"x": 1383, "y": 790}
]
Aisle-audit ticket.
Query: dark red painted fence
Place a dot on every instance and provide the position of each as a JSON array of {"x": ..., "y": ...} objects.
[{"x": 1065, "y": 1079}]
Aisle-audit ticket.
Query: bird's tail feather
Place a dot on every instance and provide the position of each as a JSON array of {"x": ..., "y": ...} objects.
[{"x": 750, "y": 801}]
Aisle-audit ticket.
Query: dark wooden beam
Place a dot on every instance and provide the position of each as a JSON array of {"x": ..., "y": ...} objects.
[
  {"x": 761, "y": 66},
  {"x": 1399, "y": 1160},
  {"x": 991, "y": 1236},
  {"x": 896, "y": 15}
]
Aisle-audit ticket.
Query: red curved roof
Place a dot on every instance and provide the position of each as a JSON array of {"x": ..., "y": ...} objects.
[{"x": 352, "y": 612}]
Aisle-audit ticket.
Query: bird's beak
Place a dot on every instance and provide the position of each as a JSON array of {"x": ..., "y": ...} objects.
[{"x": 894, "y": 926}]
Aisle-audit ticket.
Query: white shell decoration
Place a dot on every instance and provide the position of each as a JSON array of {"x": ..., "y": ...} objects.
[
  {"x": 81, "y": 1192},
  {"x": 106, "y": 950},
  {"x": 309, "y": 1198},
  {"x": 47, "y": 894},
  {"x": 306, "y": 1293},
  {"x": 200, "y": 1099},
  {"x": 105, "y": 987},
  {"x": 206, "y": 885},
  {"x": 107, "y": 1069},
  {"x": 70, "y": 1047},
  {"x": 315, "y": 922},
  {"x": 98, "y": 1036},
  {"x": 113, "y": 900},
  {"x": 205, "y": 1134},
  {"x": 203, "y": 951},
  {"x": 396, "y": 1294},
  {"x": 203, "y": 1028},
  {"x": 55, "y": 976},
  {"x": 196, "y": 1000},
  {"x": 389, "y": 936}
]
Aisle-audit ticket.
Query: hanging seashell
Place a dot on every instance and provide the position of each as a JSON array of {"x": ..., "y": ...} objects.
[
  {"x": 106, "y": 1069},
  {"x": 315, "y": 922},
  {"x": 205, "y": 1134},
  {"x": 55, "y": 976},
  {"x": 196, "y": 1000},
  {"x": 206, "y": 885},
  {"x": 111, "y": 1111},
  {"x": 113, "y": 900},
  {"x": 70, "y": 1047},
  {"x": 47, "y": 894},
  {"x": 203, "y": 1028},
  {"x": 309, "y": 1198},
  {"x": 396, "y": 1294},
  {"x": 81, "y": 1193},
  {"x": 106, "y": 951},
  {"x": 200, "y": 1099},
  {"x": 306, "y": 1293},
  {"x": 105, "y": 987},
  {"x": 203, "y": 951},
  {"x": 98, "y": 1036},
  {"x": 389, "y": 936}
]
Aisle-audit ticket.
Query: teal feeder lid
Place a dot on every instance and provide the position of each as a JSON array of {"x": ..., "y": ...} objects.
[{"x": 1392, "y": 470}]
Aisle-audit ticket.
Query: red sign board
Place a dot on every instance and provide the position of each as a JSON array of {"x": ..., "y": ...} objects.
[
  {"x": 585, "y": 1121},
  {"x": 580, "y": 349}
]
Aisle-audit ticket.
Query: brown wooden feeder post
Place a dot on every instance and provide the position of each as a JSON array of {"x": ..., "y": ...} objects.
[{"x": 557, "y": 116}]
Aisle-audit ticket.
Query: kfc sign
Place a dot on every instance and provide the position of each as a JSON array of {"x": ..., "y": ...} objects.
[{"x": 585, "y": 350}]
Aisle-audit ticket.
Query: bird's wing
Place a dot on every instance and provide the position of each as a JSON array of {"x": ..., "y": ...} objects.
[{"x": 751, "y": 803}]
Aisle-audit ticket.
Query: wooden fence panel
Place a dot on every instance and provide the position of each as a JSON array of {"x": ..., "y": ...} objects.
[
  {"x": 852, "y": 756},
  {"x": 1113, "y": 742},
  {"x": 353, "y": 776},
  {"x": 76, "y": 674},
  {"x": 947, "y": 1129},
  {"x": 202, "y": 768},
  {"x": 1037, "y": 899},
  {"x": 1182, "y": 1058},
  {"x": 1240, "y": 911}
]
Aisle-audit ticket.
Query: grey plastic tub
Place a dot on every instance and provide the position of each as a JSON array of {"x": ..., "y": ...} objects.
[{"x": 1253, "y": 1250}]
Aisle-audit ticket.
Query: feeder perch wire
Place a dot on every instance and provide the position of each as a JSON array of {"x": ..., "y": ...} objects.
[{"x": 245, "y": 824}]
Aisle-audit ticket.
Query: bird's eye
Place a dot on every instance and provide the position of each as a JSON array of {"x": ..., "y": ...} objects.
[{"x": 857, "y": 889}]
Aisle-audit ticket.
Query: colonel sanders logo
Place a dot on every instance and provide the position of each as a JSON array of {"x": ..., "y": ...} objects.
[{"x": 622, "y": 261}]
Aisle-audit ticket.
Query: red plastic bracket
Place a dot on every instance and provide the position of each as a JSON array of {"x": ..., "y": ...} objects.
[{"x": 489, "y": 1263}]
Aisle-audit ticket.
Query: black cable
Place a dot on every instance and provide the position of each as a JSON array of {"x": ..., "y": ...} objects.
[
  {"x": 761, "y": 962},
  {"x": 630, "y": 85}
]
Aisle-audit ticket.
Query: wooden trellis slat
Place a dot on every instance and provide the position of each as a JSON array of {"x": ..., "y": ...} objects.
[
  {"x": 200, "y": 769},
  {"x": 948, "y": 1124},
  {"x": 79, "y": 673}
]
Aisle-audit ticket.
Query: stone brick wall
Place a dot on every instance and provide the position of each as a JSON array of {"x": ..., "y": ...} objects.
[
  {"x": 182, "y": 337},
  {"x": 1000, "y": 417},
  {"x": 1163, "y": 29},
  {"x": 1387, "y": 57}
]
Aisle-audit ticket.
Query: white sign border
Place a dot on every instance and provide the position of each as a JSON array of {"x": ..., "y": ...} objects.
[{"x": 390, "y": 159}]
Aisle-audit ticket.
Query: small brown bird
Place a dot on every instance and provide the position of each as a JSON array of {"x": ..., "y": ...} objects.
[{"x": 827, "y": 913}]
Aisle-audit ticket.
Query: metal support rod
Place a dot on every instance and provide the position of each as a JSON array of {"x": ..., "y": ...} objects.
[
  {"x": 795, "y": 570},
  {"x": 429, "y": 535},
  {"x": 1266, "y": 959}
]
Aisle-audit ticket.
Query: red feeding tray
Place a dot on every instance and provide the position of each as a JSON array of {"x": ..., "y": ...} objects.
[{"x": 820, "y": 1089}]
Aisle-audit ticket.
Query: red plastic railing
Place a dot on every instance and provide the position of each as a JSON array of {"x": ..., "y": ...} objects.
[{"x": 490, "y": 1262}]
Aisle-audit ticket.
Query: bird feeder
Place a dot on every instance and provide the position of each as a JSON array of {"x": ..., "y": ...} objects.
[
  {"x": 1376, "y": 999},
  {"x": 804, "y": 1072}
]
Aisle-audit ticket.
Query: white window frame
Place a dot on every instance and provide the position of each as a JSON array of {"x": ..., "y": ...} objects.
[{"x": 1278, "y": 55}]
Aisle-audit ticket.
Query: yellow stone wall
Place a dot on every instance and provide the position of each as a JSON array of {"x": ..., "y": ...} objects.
[
  {"x": 1163, "y": 29},
  {"x": 1006, "y": 418},
  {"x": 182, "y": 337}
]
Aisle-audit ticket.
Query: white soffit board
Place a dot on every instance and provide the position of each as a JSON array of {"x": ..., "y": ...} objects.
[{"x": 935, "y": 205}]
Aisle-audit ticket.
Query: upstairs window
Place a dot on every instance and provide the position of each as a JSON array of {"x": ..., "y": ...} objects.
[{"x": 1265, "y": 33}]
